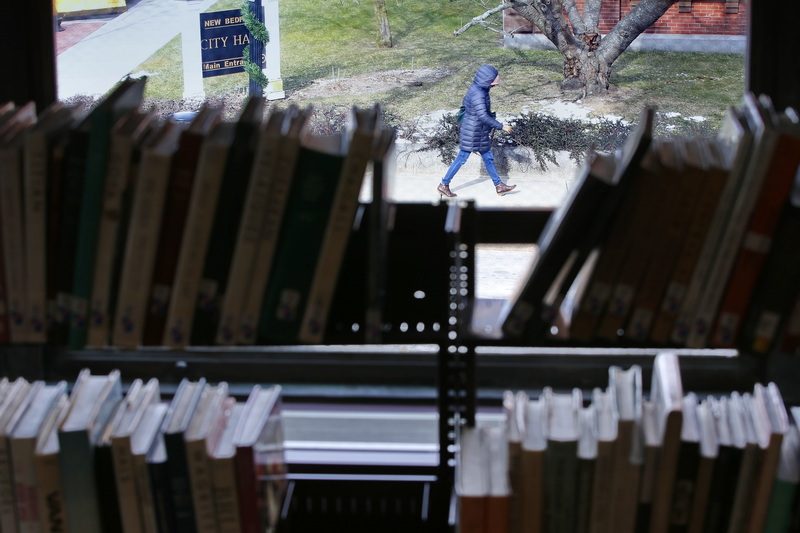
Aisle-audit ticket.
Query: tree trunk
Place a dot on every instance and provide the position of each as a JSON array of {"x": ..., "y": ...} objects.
[
  {"x": 384, "y": 30},
  {"x": 585, "y": 69}
]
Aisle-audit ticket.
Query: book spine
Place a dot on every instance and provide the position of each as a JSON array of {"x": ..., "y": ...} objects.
[
  {"x": 76, "y": 459},
  {"x": 35, "y": 194},
  {"x": 710, "y": 199},
  {"x": 140, "y": 250},
  {"x": 245, "y": 252},
  {"x": 50, "y": 494},
  {"x": 300, "y": 241},
  {"x": 248, "y": 490},
  {"x": 228, "y": 216},
  {"x": 13, "y": 242},
  {"x": 790, "y": 338},
  {"x": 172, "y": 231},
  {"x": 117, "y": 178},
  {"x": 273, "y": 217},
  {"x": 125, "y": 480},
  {"x": 772, "y": 198},
  {"x": 334, "y": 244},
  {"x": 88, "y": 223},
  {"x": 24, "y": 487},
  {"x": 674, "y": 220},
  {"x": 69, "y": 203},
  {"x": 194, "y": 245},
  {"x": 201, "y": 486},
  {"x": 179, "y": 483},
  {"x": 145, "y": 501},
  {"x": 728, "y": 244},
  {"x": 226, "y": 498}
]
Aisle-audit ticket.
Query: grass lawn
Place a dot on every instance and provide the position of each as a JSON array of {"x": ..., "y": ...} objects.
[{"x": 326, "y": 40}]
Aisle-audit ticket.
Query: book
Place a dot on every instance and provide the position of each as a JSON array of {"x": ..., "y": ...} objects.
[
  {"x": 738, "y": 142},
  {"x": 14, "y": 404},
  {"x": 105, "y": 464},
  {"x": 768, "y": 403},
  {"x": 560, "y": 457},
  {"x": 138, "y": 398},
  {"x": 37, "y": 417},
  {"x": 260, "y": 461},
  {"x": 194, "y": 245},
  {"x": 176, "y": 488},
  {"x": 173, "y": 224},
  {"x": 687, "y": 163},
  {"x": 601, "y": 211},
  {"x": 587, "y": 459},
  {"x": 777, "y": 286},
  {"x": 756, "y": 439},
  {"x": 514, "y": 423},
  {"x": 605, "y": 429},
  {"x": 626, "y": 384},
  {"x": 52, "y": 124},
  {"x": 223, "y": 473},
  {"x": 654, "y": 202},
  {"x": 772, "y": 196},
  {"x": 93, "y": 401},
  {"x": 226, "y": 221},
  {"x": 713, "y": 195},
  {"x": 686, "y": 467},
  {"x": 49, "y": 489},
  {"x": 145, "y": 438},
  {"x": 12, "y": 230},
  {"x": 277, "y": 200},
  {"x": 124, "y": 98},
  {"x": 498, "y": 491},
  {"x": 596, "y": 178},
  {"x": 471, "y": 480},
  {"x": 532, "y": 464},
  {"x": 729, "y": 434},
  {"x": 708, "y": 457},
  {"x": 790, "y": 337},
  {"x": 202, "y": 435},
  {"x": 142, "y": 238},
  {"x": 765, "y": 141},
  {"x": 599, "y": 281},
  {"x": 248, "y": 239},
  {"x": 783, "y": 504},
  {"x": 647, "y": 448},
  {"x": 127, "y": 137},
  {"x": 160, "y": 487},
  {"x": 666, "y": 394},
  {"x": 383, "y": 162},
  {"x": 340, "y": 224}
]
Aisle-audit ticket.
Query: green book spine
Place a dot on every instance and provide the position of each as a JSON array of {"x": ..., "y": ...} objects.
[{"x": 316, "y": 177}]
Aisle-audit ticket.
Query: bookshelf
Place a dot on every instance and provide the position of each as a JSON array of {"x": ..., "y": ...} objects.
[{"x": 428, "y": 357}]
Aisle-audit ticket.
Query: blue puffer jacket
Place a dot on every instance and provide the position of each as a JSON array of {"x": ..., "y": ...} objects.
[{"x": 478, "y": 123}]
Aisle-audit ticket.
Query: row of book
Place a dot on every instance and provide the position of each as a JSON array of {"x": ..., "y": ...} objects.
[
  {"x": 96, "y": 459},
  {"x": 685, "y": 242},
  {"x": 121, "y": 228},
  {"x": 624, "y": 462}
]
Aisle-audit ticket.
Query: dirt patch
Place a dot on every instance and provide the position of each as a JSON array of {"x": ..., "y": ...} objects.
[{"x": 370, "y": 83}]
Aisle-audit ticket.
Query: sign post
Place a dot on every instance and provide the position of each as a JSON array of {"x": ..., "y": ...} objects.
[{"x": 190, "y": 35}]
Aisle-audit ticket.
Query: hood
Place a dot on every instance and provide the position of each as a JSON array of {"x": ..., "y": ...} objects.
[{"x": 485, "y": 76}]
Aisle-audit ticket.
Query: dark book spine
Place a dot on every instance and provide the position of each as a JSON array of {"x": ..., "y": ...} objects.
[
  {"x": 108, "y": 497},
  {"x": 179, "y": 483},
  {"x": 222, "y": 240},
  {"x": 173, "y": 225},
  {"x": 69, "y": 219}
]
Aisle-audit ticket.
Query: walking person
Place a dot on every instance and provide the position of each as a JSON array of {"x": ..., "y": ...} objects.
[{"x": 476, "y": 126}]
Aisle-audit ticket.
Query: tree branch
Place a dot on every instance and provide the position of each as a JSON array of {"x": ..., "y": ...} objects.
[{"x": 480, "y": 19}]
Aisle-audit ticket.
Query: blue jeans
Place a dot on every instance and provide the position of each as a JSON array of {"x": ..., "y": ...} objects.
[{"x": 461, "y": 158}]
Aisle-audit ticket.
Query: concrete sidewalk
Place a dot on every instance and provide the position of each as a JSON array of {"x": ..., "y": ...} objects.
[{"x": 96, "y": 63}]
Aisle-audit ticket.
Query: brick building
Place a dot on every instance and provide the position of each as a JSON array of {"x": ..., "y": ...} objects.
[{"x": 689, "y": 26}]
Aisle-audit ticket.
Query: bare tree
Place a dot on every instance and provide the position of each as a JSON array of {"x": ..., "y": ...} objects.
[
  {"x": 588, "y": 56},
  {"x": 382, "y": 18}
]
